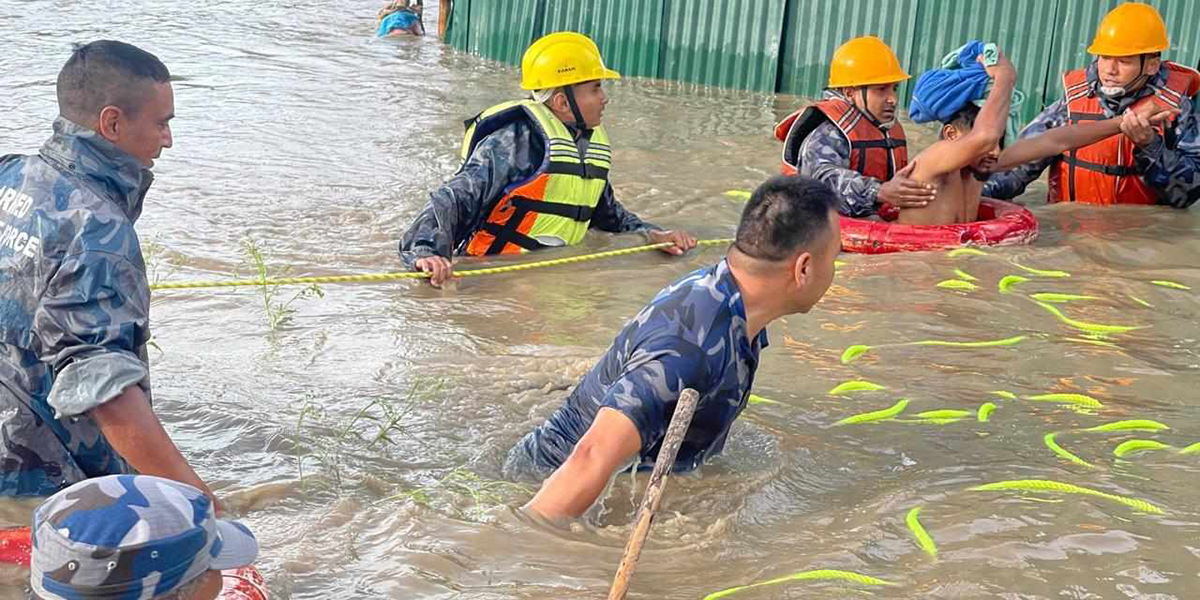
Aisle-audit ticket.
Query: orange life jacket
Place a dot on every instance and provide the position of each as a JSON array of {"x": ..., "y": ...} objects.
[
  {"x": 1105, "y": 172},
  {"x": 874, "y": 152}
]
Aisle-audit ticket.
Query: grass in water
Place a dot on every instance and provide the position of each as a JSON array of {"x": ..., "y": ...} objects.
[{"x": 277, "y": 311}]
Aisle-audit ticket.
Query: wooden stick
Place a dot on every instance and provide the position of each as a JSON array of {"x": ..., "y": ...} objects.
[
  {"x": 444, "y": 9},
  {"x": 684, "y": 409}
]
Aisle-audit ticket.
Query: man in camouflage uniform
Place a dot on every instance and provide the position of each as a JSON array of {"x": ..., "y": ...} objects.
[
  {"x": 133, "y": 536},
  {"x": 703, "y": 332},
  {"x": 74, "y": 299},
  {"x": 1128, "y": 69}
]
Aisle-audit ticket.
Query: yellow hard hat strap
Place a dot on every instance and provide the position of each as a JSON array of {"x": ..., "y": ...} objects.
[{"x": 580, "y": 124}]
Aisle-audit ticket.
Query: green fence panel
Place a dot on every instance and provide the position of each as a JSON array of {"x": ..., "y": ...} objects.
[
  {"x": 1022, "y": 29},
  {"x": 458, "y": 29},
  {"x": 723, "y": 44},
  {"x": 1078, "y": 20},
  {"x": 629, "y": 32},
  {"x": 815, "y": 28},
  {"x": 502, "y": 29}
]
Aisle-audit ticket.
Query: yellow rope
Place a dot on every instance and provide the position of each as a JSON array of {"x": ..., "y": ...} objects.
[{"x": 420, "y": 275}]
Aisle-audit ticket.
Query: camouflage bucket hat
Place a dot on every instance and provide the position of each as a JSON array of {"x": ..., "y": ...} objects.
[{"x": 130, "y": 536}]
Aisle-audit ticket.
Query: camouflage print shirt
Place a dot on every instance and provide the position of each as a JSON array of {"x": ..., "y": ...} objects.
[
  {"x": 825, "y": 156},
  {"x": 692, "y": 335},
  {"x": 74, "y": 306},
  {"x": 455, "y": 211},
  {"x": 1170, "y": 166}
]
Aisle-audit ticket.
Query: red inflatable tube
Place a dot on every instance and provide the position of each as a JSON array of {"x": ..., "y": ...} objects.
[
  {"x": 245, "y": 583},
  {"x": 1000, "y": 224}
]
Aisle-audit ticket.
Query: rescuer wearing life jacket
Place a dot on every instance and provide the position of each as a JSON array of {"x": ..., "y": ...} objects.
[
  {"x": 535, "y": 172},
  {"x": 851, "y": 139},
  {"x": 1148, "y": 163}
]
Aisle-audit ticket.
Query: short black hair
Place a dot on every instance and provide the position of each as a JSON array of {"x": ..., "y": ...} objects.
[
  {"x": 106, "y": 73},
  {"x": 786, "y": 214},
  {"x": 964, "y": 120}
]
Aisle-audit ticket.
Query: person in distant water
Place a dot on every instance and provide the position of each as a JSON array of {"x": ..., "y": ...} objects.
[
  {"x": 402, "y": 16},
  {"x": 74, "y": 299},
  {"x": 534, "y": 172},
  {"x": 1149, "y": 163},
  {"x": 971, "y": 146},
  {"x": 133, "y": 536},
  {"x": 851, "y": 139},
  {"x": 703, "y": 332}
]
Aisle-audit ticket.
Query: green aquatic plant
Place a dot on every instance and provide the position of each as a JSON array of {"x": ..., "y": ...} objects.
[
  {"x": 1073, "y": 399},
  {"x": 742, "y": 195},
  {"x": 1129, "y": 425},
  {"x": 984, "y": 414},
  {"x": 1096, "y": 328},
  {"x": 857, "y": 385},
  {"x": 277, "y": 312},
  {"x": 1004, "y": 394},
  {"x": 1170, "y": 284},
  {"x": 923, "y": 538},
  {"x": 957, "y": 284},
  {"x": 463, "y": 492},
  {"x": 328, "y": 437},
  {"x": 1044, "y": 485},
  {"x": 1132, "y": 446},
  {"x": 1063, "y": 453},
  {"x": 1192, "y": 449},
  {"x": 878, "y": 415},
  {"x": 854, "y": 352},
  {"x": 1006, "y": 283},
  {"x": 965, "y": 276},
  {"x": 1054, "y": 298},
  {"x": 822, "y": 574}
]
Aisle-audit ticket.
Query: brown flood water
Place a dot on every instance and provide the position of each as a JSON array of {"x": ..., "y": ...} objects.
[{"x": 299, "y": 130}]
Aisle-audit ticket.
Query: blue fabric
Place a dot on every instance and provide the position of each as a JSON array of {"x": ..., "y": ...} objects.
[
  {"x": 939, "y": 93},
  {"x": 401, "y": 19},
  {"x": 693, "y": 334}
]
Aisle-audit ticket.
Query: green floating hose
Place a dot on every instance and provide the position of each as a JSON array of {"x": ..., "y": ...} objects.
[
  {"x": 1137, "y": 446},
  {"x": 965, "y": 276},
  {"x": 918, "y": 531},
  {"x": 822, "y": 574},
  {"x": 756, "y": 399},
  {"x": 1074, "y": 399},
  {"x": 1129, "y": 425},
  {"x": 1170, "y": 284},
  {"x": 1043, "y": 485},
  {"x": 878, "y": 415},
  {"x": 1096, "y": 328},
  {"x": 1059, "y": 450},
  {"x": 857, "y": 385},
  {"x": 957, "y": 284},
  {"x": 1059, "y": 298},
  {"x": 984, "y": 414},
  {"x": 1006, "y": 283}
]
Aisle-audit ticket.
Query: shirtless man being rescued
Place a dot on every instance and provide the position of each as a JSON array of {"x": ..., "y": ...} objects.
[{"x": 970, "y": 147}]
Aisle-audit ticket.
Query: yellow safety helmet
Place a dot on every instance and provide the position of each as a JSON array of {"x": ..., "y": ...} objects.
[
  {"x": 1130, "y": 29},
  {"x": 864, "y": 61},
  {"x": 562, "y": 58}
]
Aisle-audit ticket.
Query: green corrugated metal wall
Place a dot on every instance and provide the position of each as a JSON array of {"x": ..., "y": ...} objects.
[
  {"x": 1020, "y": 27},
  {"x": 723, "y": 44},
  {"x": 629, "y": 32},
  {"x": 817, "y": 27},
  {"x": 785, "y": 45}
]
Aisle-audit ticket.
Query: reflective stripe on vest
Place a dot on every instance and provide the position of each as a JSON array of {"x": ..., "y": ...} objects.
[
  {"x": 1105, "y": 172},
  {"x": 874, "y": 152},
  {"x": 554, "y": 206}
]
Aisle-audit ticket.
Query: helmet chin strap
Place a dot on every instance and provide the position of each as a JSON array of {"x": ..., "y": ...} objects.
[
  {"x": 867, "y": 111},
  {"x": 1122, "y": 91},
  {"x": 575, "y": 112}
]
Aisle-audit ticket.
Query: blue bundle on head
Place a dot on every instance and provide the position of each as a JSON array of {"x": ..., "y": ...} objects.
[
  {"x": 940, "y": 93},
  {"x": 401, "y": 19}
]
